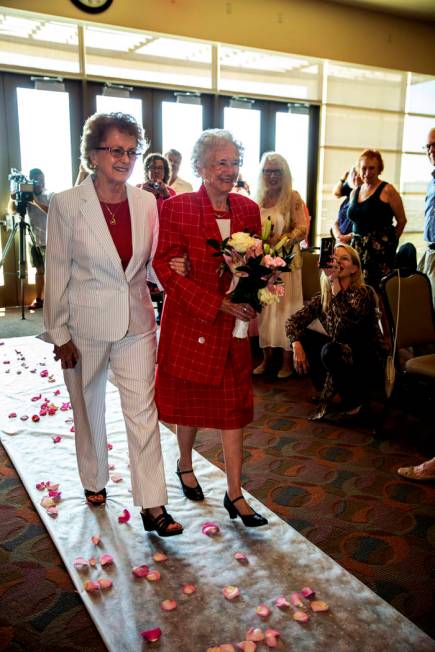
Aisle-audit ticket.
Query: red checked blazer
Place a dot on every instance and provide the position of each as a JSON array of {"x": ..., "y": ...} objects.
[{"x": 195, "y": 335}]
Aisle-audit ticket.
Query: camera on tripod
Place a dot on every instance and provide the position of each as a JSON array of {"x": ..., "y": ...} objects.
[{"x": 21, "y": 189}]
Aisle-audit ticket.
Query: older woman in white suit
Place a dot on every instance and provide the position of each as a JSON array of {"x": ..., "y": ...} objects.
[{"x": 101, "y": 236}]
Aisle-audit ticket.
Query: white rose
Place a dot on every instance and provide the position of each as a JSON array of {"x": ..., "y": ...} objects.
[
  {"x": 241, "y": 241},
  {"x": 266, "y": 297}
]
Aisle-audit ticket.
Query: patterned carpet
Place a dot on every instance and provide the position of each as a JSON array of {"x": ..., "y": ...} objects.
[{"x": 334, "y": 483}]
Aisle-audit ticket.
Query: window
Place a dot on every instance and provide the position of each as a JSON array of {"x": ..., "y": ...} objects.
[
  {"x": 45, "y": 142},
  {"x": 39, "y": 44},
  {"x": 291, "y": 140},
  {"x": 244, "y": 124},
  {"x": 266, "y": 73},
  {"x": 122, "y": 54},
  {"x": 421, "y": 95},
  {"x": 360, "y": 86},
  {"x": 189, "y": 116}
]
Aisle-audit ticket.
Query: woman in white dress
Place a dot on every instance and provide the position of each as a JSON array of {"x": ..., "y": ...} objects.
[{"x": 286, "y": 209}]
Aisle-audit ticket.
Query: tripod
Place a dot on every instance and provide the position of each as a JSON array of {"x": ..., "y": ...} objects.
[{"x": 22, "y": 226}]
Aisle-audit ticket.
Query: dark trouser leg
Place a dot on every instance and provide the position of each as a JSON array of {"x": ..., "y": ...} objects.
[
  {"x": 347, "y": 376},
  {"x": 313, "y": 343}
]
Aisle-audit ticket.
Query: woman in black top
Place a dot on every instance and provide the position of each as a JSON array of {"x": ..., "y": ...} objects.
[
  {"x": 350, "y": 358},
  {"x": 342, "y": 227},
  {"x": 378, "y": 218}
]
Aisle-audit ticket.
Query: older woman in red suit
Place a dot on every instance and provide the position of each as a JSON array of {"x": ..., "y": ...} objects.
[{"x": 204, "y": 373}]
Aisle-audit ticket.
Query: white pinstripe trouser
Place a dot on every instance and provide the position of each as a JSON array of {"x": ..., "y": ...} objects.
[{"x": 132, "y": 360}]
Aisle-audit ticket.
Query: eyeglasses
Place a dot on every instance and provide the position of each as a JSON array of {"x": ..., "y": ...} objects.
[
  {"x": 222, "y": 164},
  {"x": 276, "y": 171},
  {"x": 429, "y": 146},
  {"x": 120, "y": 152}
]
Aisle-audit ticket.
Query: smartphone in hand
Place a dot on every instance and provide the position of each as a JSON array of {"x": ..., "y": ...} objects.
[{"x": 327, "y": 246}]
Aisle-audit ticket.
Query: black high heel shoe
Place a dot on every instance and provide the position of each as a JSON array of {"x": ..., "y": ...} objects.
[
  {"x": 249, "y": 520},
  {"x": 161, "y": 523},
  {"x": 96, "y": 498},
  {"x": 193, "y": 493}
]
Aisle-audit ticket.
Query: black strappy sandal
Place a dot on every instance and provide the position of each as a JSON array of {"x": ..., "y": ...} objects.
[
  {"x": 248, "y": 520},
  {"x": 193, "y": 493},
  {"x": 161, "y": 523},
  {"x": 95, "y": 498}
]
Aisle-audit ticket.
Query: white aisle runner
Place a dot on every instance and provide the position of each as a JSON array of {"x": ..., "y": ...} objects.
[{"x": 280, "y": 561}]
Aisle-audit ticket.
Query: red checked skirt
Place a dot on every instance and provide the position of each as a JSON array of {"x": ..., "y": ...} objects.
[{"x": 225, "y": 406}]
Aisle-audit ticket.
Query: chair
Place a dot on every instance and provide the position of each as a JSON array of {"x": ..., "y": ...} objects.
[
  {"x": 310, "y": 274},
  {"x": 410, "y": 314}
]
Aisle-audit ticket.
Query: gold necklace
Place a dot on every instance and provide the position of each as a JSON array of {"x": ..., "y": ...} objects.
[{"x": 112, "y": 215}]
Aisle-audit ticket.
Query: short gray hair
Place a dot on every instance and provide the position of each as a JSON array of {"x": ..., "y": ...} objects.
[{"x": 209, "y": 140}]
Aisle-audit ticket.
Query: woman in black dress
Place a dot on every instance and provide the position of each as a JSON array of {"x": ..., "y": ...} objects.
[{"x": 378, "y": 218}]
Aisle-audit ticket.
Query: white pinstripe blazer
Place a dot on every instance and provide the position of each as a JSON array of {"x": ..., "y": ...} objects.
[{"x": 87, "y": 291}]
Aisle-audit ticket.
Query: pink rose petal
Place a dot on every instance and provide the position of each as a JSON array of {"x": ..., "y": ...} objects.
[
  {"x": 57, "y": 392},
  {"x": 272, "y": 632},
  {"x": 12, "y": 415},
  {"x": 319, "y": 605},
  {"x": 188, "y": 589},
  {"x": 159, "y": 556},
  {"x": 52, "y": 410},
  {"x": 140, "y": 571},
  {"x": 105, "y": 583},
  {"x": 125, "y": 517},
  {"x": 116, "y": 478},
  {"x": 271, "y": 641},
  {"x": 57, "y": 439},
  {"x": 168, "y": 605},
  {"x": 44, "y": 373},
  {"x": 306, "y": 592},
  {"x": 111, "y": 467},
  {"x": 52, "y": 511},
  {"x": 92, "y": 561},
  {"x": 56, "y": 495},
  {"x": 80, "y": 563},
  {"x": 281, "y": 602},
  {"x": 40, "y": 486},
  {"x": 296, "y": 600},
  {"x": 36, "y": 398},
  {"x": 230, "y": 592},
  {"x": 47, "y": 502},
  {"x": 91, "y": 586},
  {"x": 106, "y": 560},
  {"x": 35, "y": 418},
  {"x": 53, "y": 487},
  {"x": 247, "y": 646},
  {"x": 153, "y": 576},
  {"x": 72, "y": 429},
  {"x": 254, "y": 634},
  {"x": 241, "y": 557},
  {"x": 300, "y": 616},
  {"x": 151, "y": 635},
  {"x": 210, "y": 529},
  {"x": 95, "y": 539},
  {"x": 263, "y": 611},
  {"x": 109, "y": 447}
]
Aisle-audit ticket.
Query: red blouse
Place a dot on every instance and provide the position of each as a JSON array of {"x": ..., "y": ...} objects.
[{"x": 118, "y": 220}]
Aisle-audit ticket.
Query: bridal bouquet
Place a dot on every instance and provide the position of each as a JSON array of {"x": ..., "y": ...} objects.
[{"x": 256, "y": 269}]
